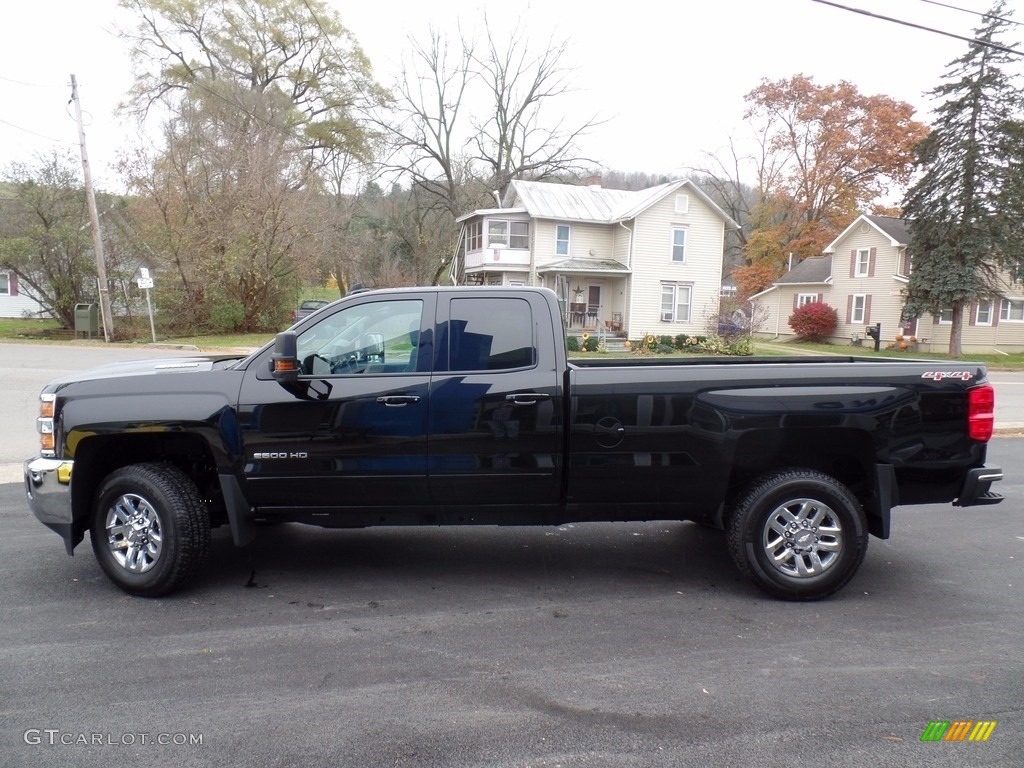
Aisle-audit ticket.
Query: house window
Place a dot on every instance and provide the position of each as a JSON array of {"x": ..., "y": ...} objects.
[
  {"x": 682, "y": 203},
  {"x": 1012, "y": 310},
  {"x": 497, "y": 234},
  {"x": 519, "y": 234},
  {"x": 905, "y": 263},
  {"x": 679, "y": 245},
  {"x": 675, "y": 303},
  {"x": 475, "y": 233},
  {"x": 806, "y": 298},
  {"x": 562, "y": 240},
  {"x": 5, "y": 284},
  {"x": 946, "y": 316},
  {"x": 1017, "y": 273},
  {"x": 858, "y": 310},
  {"x": 983, "y": 315},
  {"x": 863, "y": 263}
]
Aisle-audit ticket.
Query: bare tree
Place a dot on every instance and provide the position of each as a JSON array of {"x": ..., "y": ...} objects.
[
  {"x": 468, "y": 119},
  {"x": 514, "y": 142}
]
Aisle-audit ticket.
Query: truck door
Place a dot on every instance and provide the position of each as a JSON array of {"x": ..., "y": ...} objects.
[
  {"x": 356, "y": 437},
  {"x": 495, "y": 409}
]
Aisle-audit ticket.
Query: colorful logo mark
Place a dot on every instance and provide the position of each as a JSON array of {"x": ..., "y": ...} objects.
[{"x": 958, "y": 730}]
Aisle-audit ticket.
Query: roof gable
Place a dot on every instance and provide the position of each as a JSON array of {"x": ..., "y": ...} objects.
[{"x": 893, "y": 229}]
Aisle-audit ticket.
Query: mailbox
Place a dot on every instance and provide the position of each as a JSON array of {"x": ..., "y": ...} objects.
[{"x": 87, "y": 320}]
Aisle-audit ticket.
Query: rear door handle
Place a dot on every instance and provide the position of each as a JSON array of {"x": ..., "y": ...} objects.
[
  {"x": 526, "y": 398},
  {"x": 397, "y": 401}
]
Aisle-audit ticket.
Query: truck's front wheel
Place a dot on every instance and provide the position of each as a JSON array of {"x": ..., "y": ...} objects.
[
  {"x": 798, "y": 534},
  {"x": 149, "y": 531}
]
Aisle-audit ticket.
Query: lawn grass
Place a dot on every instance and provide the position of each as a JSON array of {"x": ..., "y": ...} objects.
[
  {"x": 994, "y": 360},
  {"x": 20, "y": 328}
]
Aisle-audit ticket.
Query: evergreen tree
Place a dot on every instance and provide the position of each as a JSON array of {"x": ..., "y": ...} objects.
[{"x": 962, "y": 209}]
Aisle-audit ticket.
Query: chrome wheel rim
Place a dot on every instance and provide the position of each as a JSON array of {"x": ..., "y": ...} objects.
[
  {"x": 134, "y": 533},
  {"x": 802, "y": 538}
]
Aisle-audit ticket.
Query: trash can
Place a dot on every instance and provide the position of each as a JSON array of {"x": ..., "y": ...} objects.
[{"x": 87, "y": 320}]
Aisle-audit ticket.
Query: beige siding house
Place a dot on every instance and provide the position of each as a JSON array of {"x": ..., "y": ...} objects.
[
  {"x": 630, "y": 263},
  {"x": 863, "y": 274}
]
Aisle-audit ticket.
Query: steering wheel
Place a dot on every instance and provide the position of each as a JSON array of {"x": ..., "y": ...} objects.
[{"x": 346, "y": 363}]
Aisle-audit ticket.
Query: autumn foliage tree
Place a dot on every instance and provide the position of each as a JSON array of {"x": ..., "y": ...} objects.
[
  {"x": 754, "y": 278},
  {"x": 833, "y": 152},
  {"x": 821, "y": 154}
]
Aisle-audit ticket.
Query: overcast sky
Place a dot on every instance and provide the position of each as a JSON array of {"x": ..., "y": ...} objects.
[{"x": 669, "y": 78}]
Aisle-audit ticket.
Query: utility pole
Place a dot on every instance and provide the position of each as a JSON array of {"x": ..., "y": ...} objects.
[{"x": 94, "y": 218}]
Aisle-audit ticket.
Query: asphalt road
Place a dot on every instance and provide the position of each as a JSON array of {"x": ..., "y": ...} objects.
[{"x": 603, "y": 645}]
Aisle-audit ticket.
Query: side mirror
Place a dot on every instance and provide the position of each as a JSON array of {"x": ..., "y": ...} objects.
[
  {"x": 284, "y": 363},
  {"x": 373, "y": 345}
]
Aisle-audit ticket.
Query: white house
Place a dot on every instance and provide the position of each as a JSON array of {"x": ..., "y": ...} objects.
[
  {"x": 13, "y": 302},
  {"x": 634, "y": 263}
]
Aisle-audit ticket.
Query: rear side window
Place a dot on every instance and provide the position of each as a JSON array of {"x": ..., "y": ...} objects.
[{"x": 490, "y": 334}]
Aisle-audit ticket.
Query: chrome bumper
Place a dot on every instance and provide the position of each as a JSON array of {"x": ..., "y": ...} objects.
[{"x": 48, "y": 488}]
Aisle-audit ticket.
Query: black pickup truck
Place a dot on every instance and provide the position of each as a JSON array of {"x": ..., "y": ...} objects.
[{"x": 454, "y": 406}]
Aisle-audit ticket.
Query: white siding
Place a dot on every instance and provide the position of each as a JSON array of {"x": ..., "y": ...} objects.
[
  {"x": 653, "y": 265},
  {"x": 583, "y": 239}
]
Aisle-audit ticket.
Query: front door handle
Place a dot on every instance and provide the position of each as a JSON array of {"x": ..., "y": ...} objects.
[
  {"x": 397, "y": 401},
  {"x": 526, "y": 398}
]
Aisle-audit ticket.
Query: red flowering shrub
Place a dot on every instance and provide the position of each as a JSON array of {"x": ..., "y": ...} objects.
[{"x": 814, "y": 322}]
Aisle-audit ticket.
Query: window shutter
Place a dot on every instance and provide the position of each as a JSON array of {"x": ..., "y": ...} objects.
[
  {"x": 853, "y": 262},
  {"x": 849, "y": 308},
  {"x": 12, "y": 283},
  {"x": 796, "y": 301},
  {"x": 867, "y": 308},
  {"x": 935, "y": 319},
  {"x": 871, "y": 262},
  {"x": 821, "y": 297}
]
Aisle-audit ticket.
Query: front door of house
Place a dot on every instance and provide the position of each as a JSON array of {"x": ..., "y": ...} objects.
[{"x": 593, "y": 305}]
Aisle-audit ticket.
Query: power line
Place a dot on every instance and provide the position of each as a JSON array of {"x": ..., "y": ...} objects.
[
  {"x": 972, "y": 40},
  {"x": 973, "y": 13},
  {"x": 29, "y": 85},
  {"x": 41, "y": 136}
]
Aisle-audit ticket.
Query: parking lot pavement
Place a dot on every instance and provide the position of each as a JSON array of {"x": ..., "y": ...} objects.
[{"x": 607, "y": 645}]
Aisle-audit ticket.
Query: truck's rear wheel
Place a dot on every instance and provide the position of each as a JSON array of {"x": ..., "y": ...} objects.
[
  {"x": 798, "y": 534},
  {"x": 149, "y": 531}
]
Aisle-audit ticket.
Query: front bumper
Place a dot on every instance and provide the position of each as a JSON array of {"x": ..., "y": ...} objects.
[
  {"x": 975, "y": 490},
  {"x": 48, "y": 488}
]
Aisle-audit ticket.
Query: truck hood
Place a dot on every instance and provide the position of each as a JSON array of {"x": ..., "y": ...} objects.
[{"x": 171, "y": 365}]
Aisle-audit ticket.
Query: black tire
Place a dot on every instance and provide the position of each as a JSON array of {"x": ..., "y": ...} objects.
[
  {"x": 798, "y": 534},
  {"x": 149, "y": 530}
]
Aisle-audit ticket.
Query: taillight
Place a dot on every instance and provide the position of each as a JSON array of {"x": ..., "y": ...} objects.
[{"x": 981, "y": 417}]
